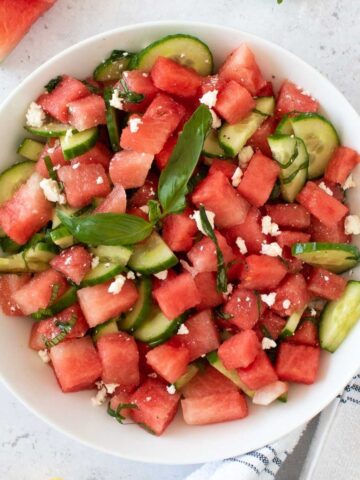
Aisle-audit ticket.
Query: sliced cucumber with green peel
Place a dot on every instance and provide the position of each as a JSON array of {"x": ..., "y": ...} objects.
[
  {"x": 13, "y": 177},
  {"x": 339, "y": 317},
  {"x": 336, "y": 257},
  {"x": 30, "y": 149},
  {"x": 212, "y": 147},
  {"x": 104, "y": 329},
  {"x": 184, "y": 49},
  {"x": 284, "y": 126},
  {"x": 292, "y": 323},
  {"x": 65, "y": 301},
  {"x": 112, "y": 121},
  {"x": 320, "y": 138},
  {"x": 190, "y": 373},
  {"x": 152, "y": 256},
  {"x": 115, "y": 254},
  {"x": 157, "y": 328},
  {"x": 42, "y": 252},
  {"x": 8, "y": 245},
  {"x": 78, "y": 143},
  {"x": 70, "y": 212},
  {"x": 51, "y": 129},
  {"x": 111, "y": 68},
  {"x": 140, "y": 311},
  {"x": 16, "y": 264},
  {"x": 62, "y": 237},
  {"x": 102, "y": 273},
  {"x": 265, "y": 106}
]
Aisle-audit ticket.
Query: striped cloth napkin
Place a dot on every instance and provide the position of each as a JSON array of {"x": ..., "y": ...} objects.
[{"x": 333, "y": 455}]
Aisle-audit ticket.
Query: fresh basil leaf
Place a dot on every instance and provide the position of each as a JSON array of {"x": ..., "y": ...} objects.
[
  {"x": 65, "y": 329},
  {"x": 128, "y": 95},
  {"x": 221, "y": 277},
  {"x": 154, "y": 211},
  {"x": 174, "y": 179},
  {"x": 107, "y": 228},
  {"x": 50, "y": 168},
  {"x": 53, "y": 83},
  {"x": 117, "y": 413}
]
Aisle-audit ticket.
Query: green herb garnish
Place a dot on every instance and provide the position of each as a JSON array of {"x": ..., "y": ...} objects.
[
  {"x": 50, "y": 168},
  {"x": 128, "y": 95},
  {"x": 92, "y": 88},
  {"x": 53, "y": 83},
  {"x": 221, "y": 314},
  {"x": 154, "y": 211},
  {"x": 266, "y": 332},
  {"x": 65, "y": 328},
  {"x": 117, "y": 413}
]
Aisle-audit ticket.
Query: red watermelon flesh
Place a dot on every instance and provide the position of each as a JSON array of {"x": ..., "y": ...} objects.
[
  {"x": 243, "y": 308},
  {"x": 166, "y": 110},
  {"x": 97, "y": 154},
  {"x": 87, "y": 112},
  {"x": 139, "y": 82},
  {"x": 289, "y": 215},
  {"x": 325, "y": 284},
  {"x": 206, "y": 382},
  {"x": 341, "y": 164},
  {"x": 250, "y": 231},
  {"x": 224, "y": 166},
  {"x": 9, "y": 284},
  {"x": 325, "y": 233},
  {"x": 258, "y": 141},
  {"x": 259, "y": 373},
  {"x": 305, "y": 334},
  {"x": 169, "y": 361},
  {"x": 206, "y": 284},
  {"x": 271, "y": 324},
  {"x": 240, "y": 350},
  {"x": 203, "y": 254},
  {"x": 173, "y": 78},
  {"x": 74, "y": 263},
  {"x": 54, "y": 151},
  {"x": 293, "y": 289},
  {"x": 129, "y": 168},
  {"x": 297, "y": 363},
  {"x": 292, "y": 98},
  {"x": 287, "y": 238},
  {"x": 234, "y": 102},
  {"x": 115, "y": 202},
  {"x": 262, "y": 272},
  {"x": 179, "y": 231},
  {"x": 146, "y": 192},
  {"x": 162, "y": 158},
  {"x": 121, "y": 398}
]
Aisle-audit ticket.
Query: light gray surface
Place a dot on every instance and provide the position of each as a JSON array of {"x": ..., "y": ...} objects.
[{"x": 323, "y": 32}]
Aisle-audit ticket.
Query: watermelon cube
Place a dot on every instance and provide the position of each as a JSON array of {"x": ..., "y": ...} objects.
[
  {"x": 325, "y": 284},
  {"x": 149, "y": 135},
  {"x": 206, "y": 284},
  {"x": 74, "y": 263},
  {"x": 99, "y": 305},
  {"x": 129, "y": 168},
  {"x": 324, "y": 207},
  {"x": 259, "y": 179},
  {"x": 139, "y": 82},
  {"x": 179, "y": 231},
  {"x": 243, "y": 308},
  {"x": 224, "y": 166},
  {"x": 177, "y": 295},
  {"x": 334, "y": 233},
  {"x": 146, "y": 192},
  {"x": 266, "y": 91},
  {"x": 169, "y": 361},
  {"x": 211, "y": 83},
  {"x": 258, "y": 141},
  {"x": 84, "y": 183},
  {"x": 119, "y": 357},
  {"x": 262, "y": 272},
  {"x": 115, "y": 202},
  {"x": 291, "y": 295},
  {"x": 297, "y": 363},
  {"x": 175, "y": 79},
  {"x": 289, "y": 215},
  {"x": 287, "y": 238},
  {"x": 162, "y": 158},
  {"x": 215, "y": 408},
  {"x": 240, "y": 350},
  {"x": 97, "y": 154},
  {"x": 87, "y": 112},
  {"x": 259, "y": 373},
  {"x": 26, "y": 212},
  {"x": 203, "y": 254},
  {"x": 120, "y": 398},
  {"x": 156, "y": 408},
  {"x": 292, "y": 98},
  {"x": 250, "y": 231},
  {"x": 341, "y": 164},
  {"x": 165, "y": 109},
  {"x": 306, "y": 334},
  {"x": 207, "y": 382},
  {"x": 234, "y": 102},
  {"x": 53, "y": 150},
  {"x": 76, "y": 364},
  {"x": 271, "y": 324},
  {"x": 9, "y": 284}
]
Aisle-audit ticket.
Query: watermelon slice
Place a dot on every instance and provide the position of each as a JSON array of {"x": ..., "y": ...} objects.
[
  {"x": 262, "y": 272},
  {"x": 289, "y": 215},
  {"x": 206, "y": 284},
  {"x": 272, "y": 324},
  {"x": 87, "y": 112},
  {"x": 342, "y": 162},
  {"x": 291, "y": 295},
  {"x": 306, "y": 334},
  {"x": 73, "y": 263},
  {"x": 139, "y": 82},
  {"x": 234, "y": 102},
  {"x": 224, "y": 166},
  {"x": 53, "y": 150},
  {"x": 129, "y": 168},
  {"x": 334, "y": 233},
  {"x": 179, "y": 231},
  {"x": 203, "y": 254},
  {"x": 325, "y": 284},
  {"x": 297, "y": 363},
  {"x": 250, "y": 231},
  {"x": 169, "y": 361},
  {"x": 287, "y": 238},
  {"x": 243, "y": 308},
  {"x": 240, "y": 350},
  {"x": 207, "y": 382},
  {"x": 115, "y": 202},
  {"x": 173, "y": 78},
  {"x": 293, "y": 99},
  {"x": 9, "y": 284},
  {"x": 258, "y": 141},
  {"x": 259, "y": 373}
]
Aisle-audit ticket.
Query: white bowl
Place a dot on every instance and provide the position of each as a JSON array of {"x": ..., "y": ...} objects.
[{"x": 34, "y": 383}]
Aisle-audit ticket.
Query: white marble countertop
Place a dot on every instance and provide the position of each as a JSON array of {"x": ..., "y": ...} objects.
[{"x": 323, "y": 32}]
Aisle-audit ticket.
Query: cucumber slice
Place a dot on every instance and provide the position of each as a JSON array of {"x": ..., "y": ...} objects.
[
  {"x": 112, "y": 121},
  {"x": 62, "y": 237},
  {"x": 111, "y": 69},
  {"x": 114, "y": 254},
  {"x": 9, "y": 246},
  {"x": 40, "y": 253},
  {"x": 184, "y": 49},
  {"x": 140, "y": 311},
  {"x": 13, "y": 264},
  {"x": 13, "y": 177},
  {"x": 52, "y": 129},
  {"x": 292, "y": 157},
  {"x": 102, "y": 273},
  {"x": 157, "y": 328},
  {"x": 70, "y": 212},
  {"x": 292, "y": 323},
  {"x": 265, "y": 105},
  {"x": 284, "y": 126},
  {"x": 339, "y": 317},
  {"x": 212, "y": 146},
  {"x": 152, "y": 256},
  {"x": 30, "y": 149},
  {"x": 320, "y": 138},
  {"x": 190, "y": 373},
  {"x": 336, "y": 257},
  {"x": 65, "y": 301},
  {"x": 78, "y": 143},
  {"x": 232, "y": 375},
  {"x": 104, "y": 329}
]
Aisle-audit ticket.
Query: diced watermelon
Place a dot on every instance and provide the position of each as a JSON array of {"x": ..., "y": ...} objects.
[
  {"x": 234, "y": 102},
  {"x": 73, "y": 263},
  {"x": 243, "y": 306},
  {"x": 26, "y": 212},
  {"x": 266, "y": 91},
  {"x": 206, "y": 284},
  {"x": 76, "y": 363},
  {"x": 48, "y": 329},
  {"x": 289, "y": 215},
  {"x": 293, "y": 264},
  {"x": 259, "y": 179},
  {"x": 173, "y": 78},
  {"x": 259, "y": 139},
  {"x": 162, "y": 158},
  {"x": 99, "y": 305},
  {"x": 259, "y": 373},
  {"x": 150, "y": 136},
  {"x": 216, "y": 194},
  {"x": 169, "y": 361},
  {"x": 325, "y": 284},
  {"x": 56, "y": 102},
  {"x": 139, "y": 82},
  {"x": 324, "y": 207},
  {"x": 115, "y": 202},
  {"x": 53, "y": 150},
  {"x": 146, "y": 192},
  {"x": 240, "y": 350},
  {"x": 179, "y": 231},
  {"x": 177, "y": 295},
  {"x": 38, "y": 292},
  {"x": 241, "y": 66},
  {"x": 224, "y": 166},
  {"x": 9, "y": 284},
  {"x": 215, "y": 408},
  {"x": 334, "y": 233},
  {"x": 121, "y": 398},
  {"x": 84, "y": 183},
  {"x": 287, "y": 238},
  {"x": 297, "y": 363},
  {"x": 207, "y": 382},
  {"x": 250, "y": 231},
  {"x": 342, "y": 162},
  {"x": 203, "y": 336},
  {"x": 336, "y": 189},
  {"x": 306, "y": 334},
  {"x": 166, "y": 110},
  {"x": 266, "y": 395},
  {"x": 294, "y": 289},
  {"x": 272, "y": 324},
  {"x": 137, "y": 212},
  {"x": 156, "y": 408},
  {"x": 87, "y": 112},
  {"x": 236, "y": 267},
  {"x": 129, "y": 168},
  {"x": 97, "y": 154},
  {"x": 119, "y": 357},
  {"x": 203, "y": 254},
  {"x": 211, "y": 83},
  {"x": 292, "y": 98},
  {"x": 262, "y": 272}
]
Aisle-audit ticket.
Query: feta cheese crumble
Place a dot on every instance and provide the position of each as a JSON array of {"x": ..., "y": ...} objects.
[
  {"x": 216, "y": 121},
  {"x": 183, "y": 330},
  {"x": 196, "y": 217},
  {"x": 209, "y": 98},
  {"x": 44, "y": 355},
  {"x": 229, "y": 289},
  {"x": 51, "y": 191},
  {"x": 269, "y": 298},
  {"x": 235, "y": 179},
  {"x": 286, "y": 303},
  {"x": 245, "y": 156},
  {"x": 130, "y": 275},
  {"x": 352, "y": 225},
  {"x": 116, "y": 285},
  {"x": 326, "y": 189},
  {"x": 349, "y": 182},
  {"x": 68, "y": 135},
  {"x": 99, "y": 180},
  {"x": 186, "y": 266},
  {"x": 171, "y": 389},
  {"x": 271, "y": 249},
  {"x": 35, "y": 116},
  {"x": 240, "y": 243},
  {"x": 268, "y": 227},
  {"x": 161, "y": 275},
  {"x": 144, "y": 209},
  {"x": 100, "y": 397},
  {"x": 95, "y": 262},
  {"x": 76, "y": 165},
  {"x": 116, "y": 101},
  {"x": 312, "y": 312},
  {"x": 134, "y": 124},
  {"x": 267, "y": 343}
]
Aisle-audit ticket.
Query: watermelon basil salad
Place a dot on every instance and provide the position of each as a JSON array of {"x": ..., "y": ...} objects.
[{"x": 176, "y": 235}]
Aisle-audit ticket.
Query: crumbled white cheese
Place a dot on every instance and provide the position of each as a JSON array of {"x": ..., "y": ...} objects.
[
  {"x": 186, "y": 266},
  {"x": 68, "y": 260},
  {"x": 267, "y": 343},
  {"x": 352, "y": 225},
  {"x": 95, "y": 262},
  {"x": 51, "y": 191},
  {"x": 240, "y": 243},
  {"x": 229, "y": 289},
  {"x": 134, "y": 124},
  {"x": 312, "y": 312},
  {"x": 271, "y": 249},
  {"x": 125, "y": 54},
  {"x": 144, "y": 209},
  {"x": 235, "y": 179},
  {"x": 99, "y": 180},
  {"x": 116, "y": 285},
  {"x": 269, "y": 298},
  {"x": 326, "y": 189},
  {"x": 209, "y": 98},
  {"x": 145, "y": 74},
  {"x": 100, "y": 397},
  {"x": 152, "y": 375},
  {"x": 116, "y": 101},
  {"x": 216, "y": 121},
  {"x": 148, "y": 399},
  {"x": 76, "y": 165},
  {"x": 349, "y": 182},
  {"x": 268, "y": 227},
  {"x": 130, "y": 275},
  {"x": 245, "y": 156},
  {"x": 326, "y": 278},
  {"x": 68, "y": 135},
  {"x": 56, "y": 167},
  {"x": 286, "y": 303},
  {"x": 196, "y": 217},
  {"x": 161, "y": 275},
  {"x": 171, "y": 389},
  {"x": 111, "y": 387},
  {"x": 35, "y": 116},
  {"x": 183, "y": 330},
  {"x": 44, "y": 355}
]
